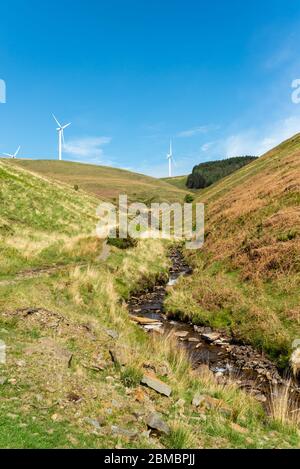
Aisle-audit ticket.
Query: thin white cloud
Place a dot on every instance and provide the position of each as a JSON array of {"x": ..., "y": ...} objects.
[
  {"x": 86, "y": 147},
  {"x": 256, "y": 141},
  {"x": 203, "y": 129},
  {"x": 206, "y": 146}
]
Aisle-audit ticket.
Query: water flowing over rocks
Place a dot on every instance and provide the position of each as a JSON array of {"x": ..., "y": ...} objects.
[{"x": 221, "y": 354}]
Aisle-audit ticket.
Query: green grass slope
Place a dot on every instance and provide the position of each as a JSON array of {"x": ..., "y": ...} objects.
[
  {"x": 177, "y": 181},
  {"x": 41, "y": 222},
  {"x": 104, "y": 182},
  {"x": 247, "y": 275}
]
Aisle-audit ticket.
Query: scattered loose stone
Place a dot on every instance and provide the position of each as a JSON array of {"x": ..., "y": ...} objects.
[
  {"x": 181, "y": 334},
  {"x": 146, "y": 434},
  {"x": 193, "y": 339},
  {"x": 198, "y": 398},
  {"x": 211, "y": 337},
  {"x": 154, "y": 327},
  {"x": 155, "y": 422},
  {"x": 119, "y": 356},
  {"x": 113, "y": 334},
  {"x": 93, "y": 422},
  {"x": 21, "y": 363},
  {"x": 110, "y": 379},
  {"x": 2, "y": 380},
  {"x": 154, "y": 383},
  {"x": 123, "y": 432},
  {"x": 221, "y": 342},
  {"x": 116, "y": 404},
  {"x": 145, "y": 321},
  {"x": 98, "y": 366}
]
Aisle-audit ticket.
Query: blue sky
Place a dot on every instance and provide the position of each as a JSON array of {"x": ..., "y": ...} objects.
[{"x": 214, "y": 76}]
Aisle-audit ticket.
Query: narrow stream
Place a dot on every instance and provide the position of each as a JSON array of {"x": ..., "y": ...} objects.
[{"x": 226, "y": 358}]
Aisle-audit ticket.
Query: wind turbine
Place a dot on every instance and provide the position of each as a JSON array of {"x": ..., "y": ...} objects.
[
  {"x": 13, "y": 155},
  {"x": 170, "y": 158},
  {"x": 61, "y": 139}
]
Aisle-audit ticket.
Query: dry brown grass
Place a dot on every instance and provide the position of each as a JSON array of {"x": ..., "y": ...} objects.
[
  {"x": 283, "y": 408},
  {"x": 253, "y": 217}
]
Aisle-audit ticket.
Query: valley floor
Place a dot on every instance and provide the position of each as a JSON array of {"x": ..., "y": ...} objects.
[{"x": 75, "y": 363}]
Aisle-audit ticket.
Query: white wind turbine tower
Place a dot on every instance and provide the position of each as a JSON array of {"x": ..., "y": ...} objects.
[
  {"x": 61, "y": 139},
  {"x": 170, "y": 158},
  {"x": 14, "y": 155}
]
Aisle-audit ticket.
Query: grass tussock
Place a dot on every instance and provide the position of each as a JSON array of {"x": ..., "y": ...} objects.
[{"x": 283, "y": 408}]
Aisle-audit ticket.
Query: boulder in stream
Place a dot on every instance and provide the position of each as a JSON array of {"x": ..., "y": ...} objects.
[
  {"x": 211, "y": 336},
  {"x": 145, "y": 321},
  {"x": 181, "y": 334}
]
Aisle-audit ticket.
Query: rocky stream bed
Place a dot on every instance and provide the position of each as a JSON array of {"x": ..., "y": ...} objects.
[{"x": 228, "y": 359}]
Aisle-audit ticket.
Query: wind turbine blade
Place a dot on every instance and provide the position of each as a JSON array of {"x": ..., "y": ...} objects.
[
  {"x": 8, "y": 154},
  {"x": 65, "y": 126},
  {"x": 56, "y": 121},
  {"x": 17, "y": 151},
  {"x": 62, "y": 136}
]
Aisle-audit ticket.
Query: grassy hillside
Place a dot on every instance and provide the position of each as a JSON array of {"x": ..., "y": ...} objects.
[
  {"x": 104, "y": 182},
  {"x": 247, "y": 276},
  {"x": 59, "y": 387},
  {"x": 177, "y": 181},
  {"x": 42, "y": 222}
]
